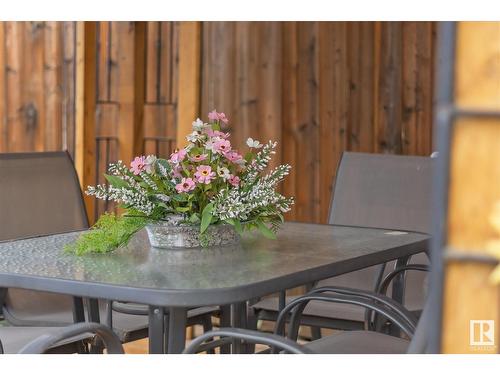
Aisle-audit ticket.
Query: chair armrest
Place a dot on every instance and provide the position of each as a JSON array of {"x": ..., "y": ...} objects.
[
  {"x": 43, "y": 343},
  {"x": 382, "y": 288},
  {"x": 255, "y": 337},
  {"x": 392, "y": 310},
  {"x": 377, "y": 297}
]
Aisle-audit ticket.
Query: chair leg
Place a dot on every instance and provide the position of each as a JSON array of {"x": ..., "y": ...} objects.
[
  {"x": 207, "y": 326},
  {"x": 252, "y": 322},
  {"x": 315, "y": 333}
]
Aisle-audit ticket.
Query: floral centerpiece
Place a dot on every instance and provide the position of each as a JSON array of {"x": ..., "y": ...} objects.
[{"x": 206, "y": 193}]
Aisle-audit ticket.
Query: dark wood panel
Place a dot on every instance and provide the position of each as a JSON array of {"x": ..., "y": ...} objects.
[{"x": 319, "y": 88}]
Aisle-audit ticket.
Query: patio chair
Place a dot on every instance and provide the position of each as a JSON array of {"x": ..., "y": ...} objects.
[
  {"x": 344, "y": 342},
  {"x": 374, "y": 191},
  {"x": 34, "y": 340},
  {"x": 40, "y": 194}
]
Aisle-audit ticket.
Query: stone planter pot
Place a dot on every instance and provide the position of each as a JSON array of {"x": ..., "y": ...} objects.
[{"x": 166, "y": 235}]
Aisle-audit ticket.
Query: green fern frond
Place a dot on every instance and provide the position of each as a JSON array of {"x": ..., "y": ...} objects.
[{"x": 107, "y": 234}]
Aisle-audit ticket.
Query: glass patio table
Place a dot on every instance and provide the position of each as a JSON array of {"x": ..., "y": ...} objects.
[{"x": 181, "y": 279}]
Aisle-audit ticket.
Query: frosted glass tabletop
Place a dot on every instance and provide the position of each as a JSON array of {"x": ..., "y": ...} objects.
[{"x": 303, "y": 253}]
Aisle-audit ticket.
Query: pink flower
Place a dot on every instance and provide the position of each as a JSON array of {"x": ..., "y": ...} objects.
[
  {"x": 178, "y": 156},
  {"x": 198, "y": 158},
  {"x": 215, "y": 116},
  {"x": 138, "y": 164},
  {"x": 233, "y": 157},
  {"x": 186, "y": 184},
  {"x": 217, "y": 133},
  {"x": 234, "y": 180},
  {"x": 222, "y": 146},
  {"x": 204, "y": 174}
]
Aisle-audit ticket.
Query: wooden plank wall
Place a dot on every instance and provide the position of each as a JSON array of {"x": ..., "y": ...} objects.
[
  {"x": 37, "y": 79},
  {"x": 320, "y": 88}
]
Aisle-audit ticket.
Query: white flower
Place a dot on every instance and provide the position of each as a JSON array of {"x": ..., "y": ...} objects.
[
  {"x": 199, "y": 125},
  {"x": 223, "y": 172},
  {"x": 209, "y": 145},
  {"x": 193, "y": 137},
  {"x": 253, "y": 143},
  {"x": 150, "y": 161}
]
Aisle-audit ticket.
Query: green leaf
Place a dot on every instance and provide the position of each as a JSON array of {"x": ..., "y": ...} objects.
[
  {"x": 249, "y": 156},
  {"x": 116, "y": 181},
  {"x": 206, "y": 217},
  {"x": 268, "y": 233},
  {"x": 180, "y": 197},
  {"x": 237, "y": 226},
  {"x": 164, "y": 163},
  {"x": 182, "y": 209},
  {"x": 194, "y": 218}
]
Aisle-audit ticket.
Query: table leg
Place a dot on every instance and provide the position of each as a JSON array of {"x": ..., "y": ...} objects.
[
  {"x": 177, "y": 330},
  {"x": 78, "y": 310},
  {"x": 398, "y": 289},
  {"x": 225, "y": 321},
  {"x": 93, "y": 316},
  {"x": 239, "y": 320},
  {"x": 156, "y": 330}
]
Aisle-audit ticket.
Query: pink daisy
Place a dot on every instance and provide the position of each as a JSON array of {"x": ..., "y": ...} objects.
[
  {"x": 178, "y": 156},
  {"x": 216, "y": 116},
  {"x": 186, "y": 184},
  {"x": 233, "y": 157},
  {"x": 204, "y": 174},
  {"x": 198, "y": 158},
  {"x": 138, "y": 164},
  {"x": 234, "y": 180},
  {"x": 222, "y": 146}
]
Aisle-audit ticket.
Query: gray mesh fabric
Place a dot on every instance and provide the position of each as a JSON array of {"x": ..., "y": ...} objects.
[
  {"x": 39, "y": 194},
  {"x": 359, "y": 342},
  {"x": 377, "y": 191}
]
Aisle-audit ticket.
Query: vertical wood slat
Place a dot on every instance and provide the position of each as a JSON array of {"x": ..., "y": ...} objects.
[
  {"x": 18, "y": 135},
  {"x": 289, "y": 109},
  {"x": 68, "y": 86},
  {"x": 33, "y": 94},
  {"x": 86, "y": 54},
  {"x": 189, "y": 78},
  {"x": 246, "y": 93},
  {"x": 4, "y": 134},
  {"x": 127, "y": 130},
  {"x": 53, "y": 86},
  {"x": 152, "y": 62},
  {"x": 269, "y": 85},
  {"x": 417, "y": 85},
  {"x": 307, "y": 165},
  {"x": 364, "y": 125},
  {"x": 389, "y": 99}
]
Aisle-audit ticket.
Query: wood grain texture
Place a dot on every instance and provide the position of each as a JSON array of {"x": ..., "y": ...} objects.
[
  {"x": 189, "y": 78},
  {"x": 473, "y": 189},
  {"x": 322, "y": 88},
  {"x": 318, "y": 88},
  {"x": 86, "y": 93}
]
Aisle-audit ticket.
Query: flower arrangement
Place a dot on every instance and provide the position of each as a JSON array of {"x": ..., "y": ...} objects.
[{"x": 206, "y": 183}]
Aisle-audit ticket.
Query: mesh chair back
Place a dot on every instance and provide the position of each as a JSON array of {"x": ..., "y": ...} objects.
[
  {"x": 39, "y": 194},
  {"x": 384, "y": 191}
]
